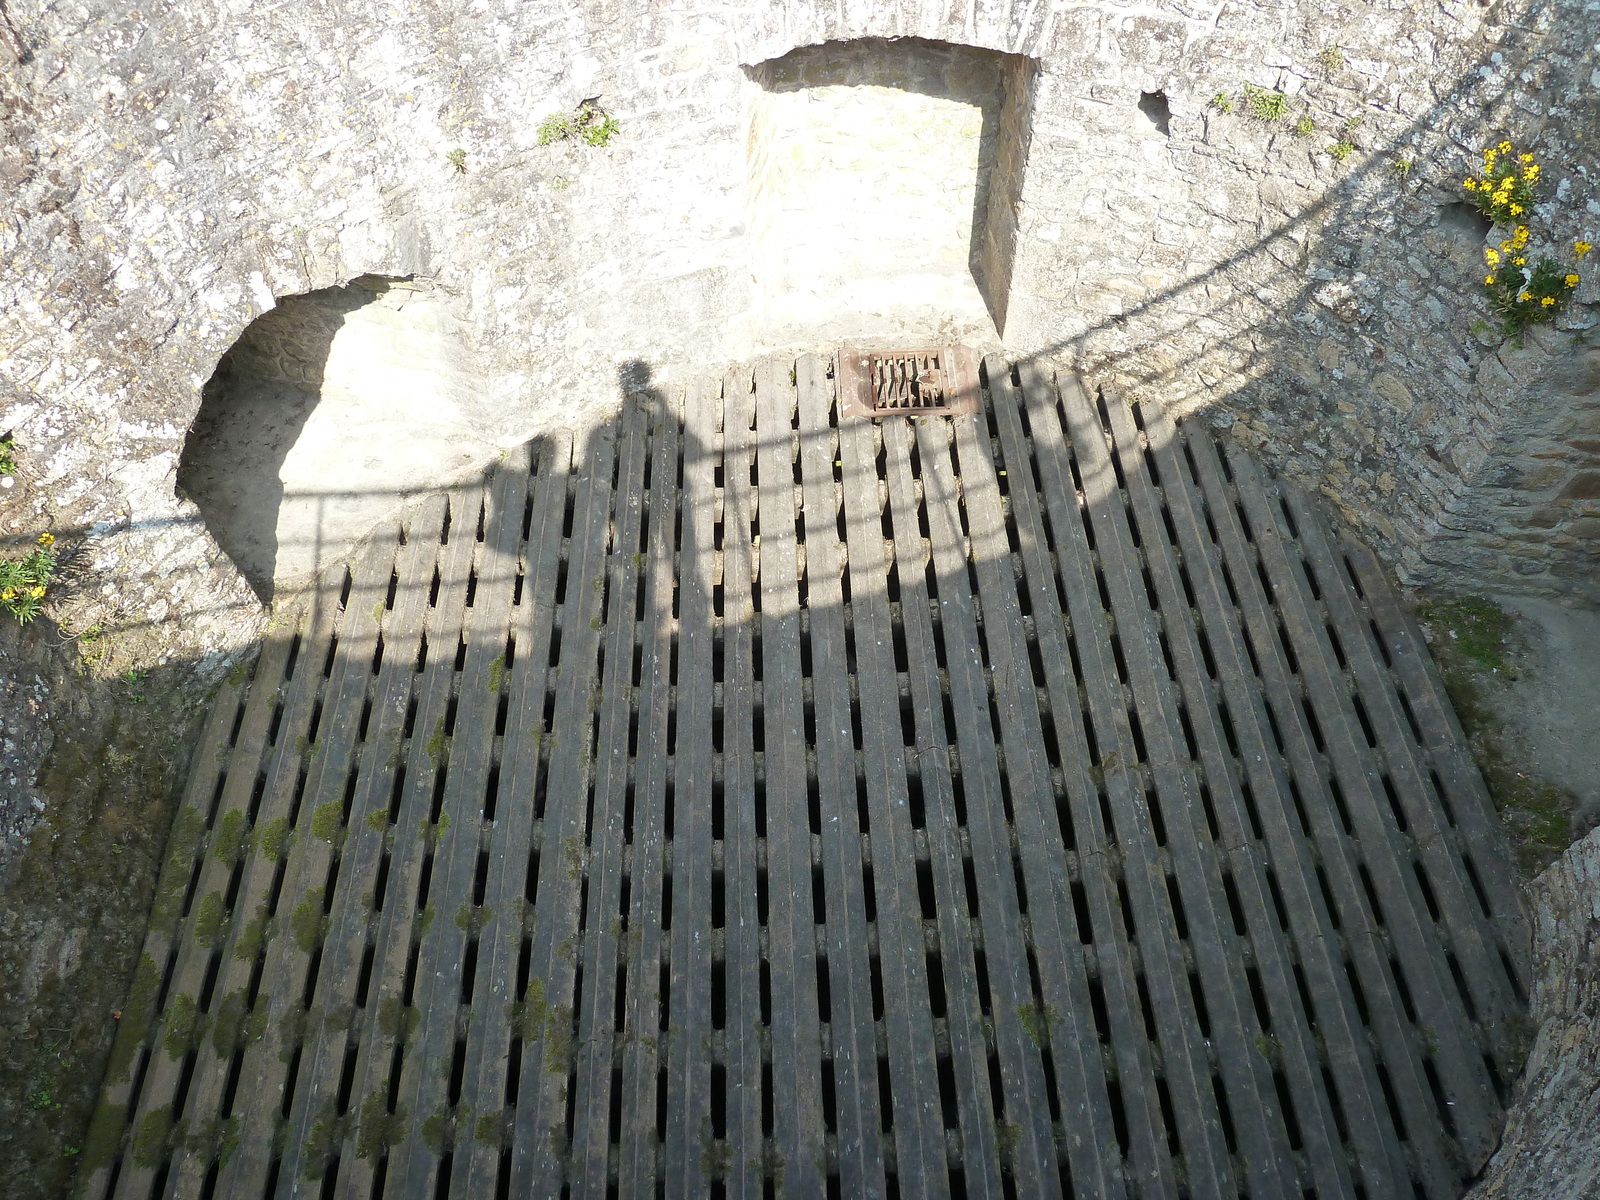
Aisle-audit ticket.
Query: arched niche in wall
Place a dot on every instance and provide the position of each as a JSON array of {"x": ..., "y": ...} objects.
[
  {"x": 882, "y": 190},
  {"x": 323, "y": 418}
]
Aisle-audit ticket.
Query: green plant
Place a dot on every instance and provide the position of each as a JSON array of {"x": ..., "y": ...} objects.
[
  {"x": 1504, "y": 190},
  {"x": 1341, "y": 150},
  {"x": 1522, "y": 294},
  {"x": 1222, "y": 102},
  {"x": 1305, "y": 127},
  {"x": 24, "y": 581},
  {"x": 8, "y": 455},
  {"x": 1265, "y": 104},
  {"x": 1402, "y": 166},
  {"x": 40, "y": 1101},
  {"x": 1331, "y": 58},
  {"x": 589, "y": 123},
  {"x": 457, "y": 158}
]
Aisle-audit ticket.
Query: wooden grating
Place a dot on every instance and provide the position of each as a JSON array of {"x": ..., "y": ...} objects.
[{"x": 745, "y": 803}]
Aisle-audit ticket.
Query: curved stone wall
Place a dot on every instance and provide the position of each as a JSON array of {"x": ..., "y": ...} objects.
[{"x": 173, "y": 169}]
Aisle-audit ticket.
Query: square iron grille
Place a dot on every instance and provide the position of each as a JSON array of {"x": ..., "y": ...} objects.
[{"x": 940, "y": 381}]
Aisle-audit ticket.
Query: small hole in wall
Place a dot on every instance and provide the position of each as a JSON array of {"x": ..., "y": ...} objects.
[
  {"x": 1154, "y": 106},
  {"x": 1464, "y": 223}
]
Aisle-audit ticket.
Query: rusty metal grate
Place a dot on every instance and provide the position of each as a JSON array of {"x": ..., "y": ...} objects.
[{"x": 940, "y": 381}]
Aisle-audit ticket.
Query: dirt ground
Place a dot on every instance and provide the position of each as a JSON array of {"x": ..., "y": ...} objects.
[
  {"x": 74, "y": 906},
  {"x": 1522, "y": 675}
]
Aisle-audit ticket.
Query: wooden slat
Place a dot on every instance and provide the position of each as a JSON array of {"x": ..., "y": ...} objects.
[
  {"x": 301, "y": 906},
  {"x": 1470, "y": 804},
  {"x": 1237, "y": 1031},
  {"x": 388, "y": 1024},
  {"x": 964, "y": 1001},
  {"x": 1473, "y": 1108},
  {"x": 1066, "y": 1024},
  {"x": 1089, "y": 629},
  {"x": 908, "y": 1021},
  {"x": 796, "y": 1032},
  {"x": 1396, "y": 1040},
  {"x": 197, "y": 950},
  {"x": 425, "y": 1078},
  {"x": 1379, "y": 1159},
  {"x": 538, "y": 1163},
  {"x": 687, "y": 1163},
  {"x": 1194, "y": 1105},
  {"x": 854, "y": 1057},
  {"x": 213, "y": 763},
  {"x": 1481, "y": 969},
  {"x": 641, "y": 1049},
  {"x": 251, "y": 930},
  {"x": 308, "y": 1140},
  {"x": 742, "y": 848},
  {"x": 1026, "y": 1109},
  {"x": 603, "y": 929},
  {"x": 492, "y": 1027}
]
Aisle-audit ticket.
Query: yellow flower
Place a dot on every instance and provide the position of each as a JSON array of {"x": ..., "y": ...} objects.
[
  {"x": 1516, "y": 209},
  {"x": 1547, "y": 301},
  {"x": 1581, "y": 248},
  {"x": 1491, "y": 256},
  {"x": 1527, "y": 158},
  {"x": 1525, "y": 296},
  {"x": 1521, "y": 262},
  {"x": 1488, "y": 278},
  {"x": 1470, "y": 183},
  {"x": 1571, "y": 281},
  {"x": 47, "y": 539},
  {"x": 37, "y": 592},
  {"x": 8, "y": 594},
  {"x": 1505, "y": 147}
]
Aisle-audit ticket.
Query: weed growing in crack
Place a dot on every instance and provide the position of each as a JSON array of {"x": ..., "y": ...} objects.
[
  {"x": 589, "y": 123},
  {"x": 25, "y": 581},
  {"x": 1264, "y": 104}
]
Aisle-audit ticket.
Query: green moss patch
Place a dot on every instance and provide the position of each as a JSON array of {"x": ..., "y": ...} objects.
[{"x": 308, "y": 922}]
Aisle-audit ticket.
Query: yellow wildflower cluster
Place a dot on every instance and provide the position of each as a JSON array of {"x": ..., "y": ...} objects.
[
  {"x": 23, "y": 581},
  {"x": 1520, "y": 292},
  {"x": 1503, "y": 191}
]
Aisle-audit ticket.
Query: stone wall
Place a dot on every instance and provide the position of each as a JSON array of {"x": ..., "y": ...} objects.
[
  {"x": 1552, "y": 1139},
  {"x": 172, "y": 170},
  {"x": 175, "y": 169}
]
